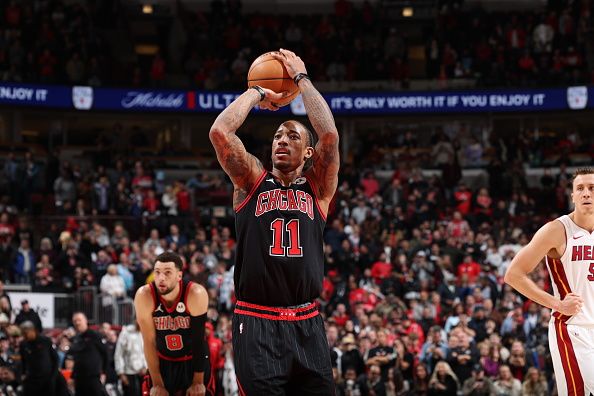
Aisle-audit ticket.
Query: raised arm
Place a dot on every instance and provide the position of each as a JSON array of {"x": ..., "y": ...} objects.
[
  {"x": 242, "y": 167},
  {"x": 326, "y": 158},
  {"x": 549, "y": 237},
  {"x": 143, "y": 304}
]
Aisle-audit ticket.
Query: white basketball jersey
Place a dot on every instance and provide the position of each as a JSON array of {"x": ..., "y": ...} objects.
[{"x": 574, "y": 271}]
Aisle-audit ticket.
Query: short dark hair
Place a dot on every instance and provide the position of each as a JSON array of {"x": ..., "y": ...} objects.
[
  {"x": 582, "y": 171},
  {"x": 168, "y": 257},
  {"x": 311, "y": 142}
]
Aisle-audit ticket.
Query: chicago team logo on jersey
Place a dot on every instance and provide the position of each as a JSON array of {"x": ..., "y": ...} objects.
[
  {"x": 181, "y": 307},
  {"x": 577, "y": 97},
  {"x": 173, "y": 324},
  {"x": 300, "y": 180},
  {"x": 278, "y": 199}
]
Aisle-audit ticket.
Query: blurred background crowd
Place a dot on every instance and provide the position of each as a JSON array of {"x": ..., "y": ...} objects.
[
  {"x": 428, "y": 214},
  {"x": 108, "y": 43}
]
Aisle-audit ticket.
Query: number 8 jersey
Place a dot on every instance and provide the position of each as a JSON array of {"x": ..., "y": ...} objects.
[
  {"x": 574, "y": 271},
  {"x": 172, "y": 325},
  {"x": 280, "y": 248}
]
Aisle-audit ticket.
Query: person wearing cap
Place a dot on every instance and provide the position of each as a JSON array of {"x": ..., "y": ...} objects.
[
  {"x": 27, "y": 314},
  {"x": 40, "y": 364},
  {"x": 351, "y": 357},
  {"x": 130, "y": 364}
]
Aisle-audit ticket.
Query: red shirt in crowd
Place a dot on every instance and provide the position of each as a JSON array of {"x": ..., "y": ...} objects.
[
  {"x": 183, "y": 200},
  {"x": 370, "y": 186},
  {"x": 380, "y": 270},
  {"x": 464, "y": 199},
  {"x": 151, "y": 204},
  {"x": 471, "y": 268}
]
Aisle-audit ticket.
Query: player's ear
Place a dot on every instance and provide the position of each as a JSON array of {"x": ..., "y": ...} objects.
[{"x": 309, "y": 152}]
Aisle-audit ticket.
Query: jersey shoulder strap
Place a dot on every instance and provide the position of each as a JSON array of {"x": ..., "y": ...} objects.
[
  {"x": 187, "y": 286},
  {"x": 154, "y": 294}
]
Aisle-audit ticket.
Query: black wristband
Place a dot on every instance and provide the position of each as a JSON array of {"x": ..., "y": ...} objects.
[
  {"x": 299, "y": 77},
  {"x": 260, "y": 91}
]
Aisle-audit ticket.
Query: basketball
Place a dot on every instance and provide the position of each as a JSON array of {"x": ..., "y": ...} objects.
[{"x": 270, "y": 73}]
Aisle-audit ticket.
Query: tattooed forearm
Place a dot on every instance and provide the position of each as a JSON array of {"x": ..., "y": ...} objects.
[
  {"x": 242, "y": 167},
  {"x": 319, "y": 113},
  {"x": 234, "y": 115},
  {"x": 326, "y": 157}
]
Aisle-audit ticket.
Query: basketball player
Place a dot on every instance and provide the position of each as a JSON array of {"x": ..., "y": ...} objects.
[
  {"x": 567, "y": 243},
  {"x": 172, "y": 315},
  {"x": 279, "y": 341}
]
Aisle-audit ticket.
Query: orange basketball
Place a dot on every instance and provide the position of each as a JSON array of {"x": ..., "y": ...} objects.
[{"x": 269, "y": 73}]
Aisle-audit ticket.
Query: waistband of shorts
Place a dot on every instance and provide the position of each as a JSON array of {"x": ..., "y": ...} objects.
[
  {"x": 294, "y": 313},
  {"x": 174, "y": 359}
]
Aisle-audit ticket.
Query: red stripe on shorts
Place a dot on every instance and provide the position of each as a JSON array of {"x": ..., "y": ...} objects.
[{"x": 575, "y": 382}]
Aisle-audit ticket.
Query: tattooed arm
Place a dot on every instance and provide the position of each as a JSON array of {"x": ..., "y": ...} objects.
[
  {"x": 243, "y": 168},
  {"x": 326, "y": 159}
]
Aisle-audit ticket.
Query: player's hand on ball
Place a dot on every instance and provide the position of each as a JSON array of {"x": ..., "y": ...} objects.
[
  {"x": 292, "y": 62},
  {"x": 571, "y": 304},
  {"x": 159, "y": 391},
  {"x": 196, "y": 390},
  {"x": 271, "y": 97}
]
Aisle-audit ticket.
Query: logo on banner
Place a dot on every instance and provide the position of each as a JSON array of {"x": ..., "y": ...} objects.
[
  {"x": 82, "y": 97},
  {"x": 152, "y": 100},
  {"x": 297, "y": 106},
  {"x": 577, "y": 97}
]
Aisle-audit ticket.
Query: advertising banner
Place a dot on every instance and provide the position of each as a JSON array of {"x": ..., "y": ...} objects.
[{"x": 85, "y": 98}]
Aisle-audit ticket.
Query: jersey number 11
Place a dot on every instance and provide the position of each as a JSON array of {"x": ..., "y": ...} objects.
[{"x": 278, "y": 248}]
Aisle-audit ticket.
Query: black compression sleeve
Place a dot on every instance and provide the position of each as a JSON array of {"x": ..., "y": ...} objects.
[{"x": 198, "y": 343}]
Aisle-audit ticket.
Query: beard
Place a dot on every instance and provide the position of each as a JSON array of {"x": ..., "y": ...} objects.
[{"x": 166, "y": 292}]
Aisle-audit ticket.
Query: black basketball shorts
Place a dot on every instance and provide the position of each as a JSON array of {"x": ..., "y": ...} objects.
[
  {"x": 177, "y": 377},
  {"x": 281, "y": 351}
]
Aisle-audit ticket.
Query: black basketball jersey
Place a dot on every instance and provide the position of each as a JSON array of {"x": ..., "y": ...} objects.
[
  {"x": 280, "y": 258},
  {"x": 172, "y": 325}
]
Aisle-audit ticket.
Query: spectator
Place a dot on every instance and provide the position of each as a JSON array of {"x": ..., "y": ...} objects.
[
  {"x": 176, "y": 237},
  {"x": 535, "y": 383},
  {"x": 506, "y": 384},
  {"x": 434, "y": 349},
  {"x": 24, "y": 263},
  {"x": 40, "y": 364},
  {"x": 28, "y": 315},
  {"x": 478, "y": 384},
  {"x": 421, "y": 381},
  {"x": 443, "y": 381},
  {"x": 7, "y": 352},
  {"x": 90, "y": 358},
  {"x": 112, "y": 285},
  {"x": 64, "y": 191},
  {"x": 375, "y": 384},
  {"x": 462, "y": 356}
]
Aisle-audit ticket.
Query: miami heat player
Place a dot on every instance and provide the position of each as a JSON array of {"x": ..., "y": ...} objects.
[
  {"x": 568, "y": 245},
  {"x": 172, "y": 315},
  {"x": 279, "y": 341}
]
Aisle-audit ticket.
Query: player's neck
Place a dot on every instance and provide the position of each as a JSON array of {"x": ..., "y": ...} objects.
[
  {"x": 171, "y": 298},
  {"x": 583, "y": 220},
  {"x": 286, "y": 178}
]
